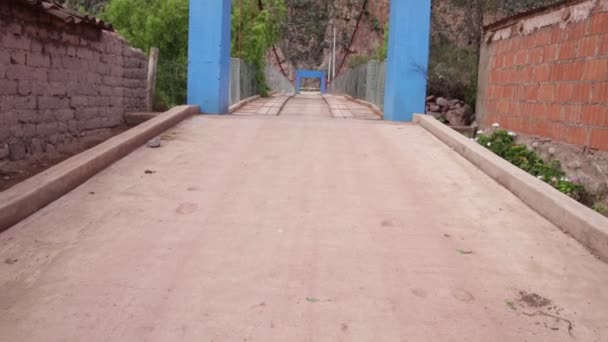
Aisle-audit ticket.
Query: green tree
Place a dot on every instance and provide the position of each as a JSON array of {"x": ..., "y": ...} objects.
[
  {"x": 162, "y": 24},
  {"x": 254, "y": 31}
]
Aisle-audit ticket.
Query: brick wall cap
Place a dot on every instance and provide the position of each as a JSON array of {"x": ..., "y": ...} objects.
[
  {"x": 512, "y": 19},
  {"x": 66, "y": 14}
]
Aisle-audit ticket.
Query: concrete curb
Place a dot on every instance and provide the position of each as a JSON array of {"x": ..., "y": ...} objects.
[
  {"x": 585, "y": 225},
  {"x": 31, "y": 195},
  {"x": 372, "y": 106},
  {"x": 242, "y": 103}
]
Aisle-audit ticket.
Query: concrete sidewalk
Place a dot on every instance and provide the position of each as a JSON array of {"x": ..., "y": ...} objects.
[
  {"x": 264, "y": 106},
  {"x": 296, "y": 228}
]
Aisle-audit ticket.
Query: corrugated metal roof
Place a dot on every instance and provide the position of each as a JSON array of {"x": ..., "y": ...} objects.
[
  {"x": 534, "y": 10},
  {"x": 68, "y": 15}
]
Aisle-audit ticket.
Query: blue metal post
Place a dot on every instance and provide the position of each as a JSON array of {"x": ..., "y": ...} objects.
[
  {"x": 323, "y": 83},
  {"x": 298, "y": 82},
  {"x": 209, "y": 55},
  {"x": 321, "y": 75},
  {"x": 408, "y": 59}
]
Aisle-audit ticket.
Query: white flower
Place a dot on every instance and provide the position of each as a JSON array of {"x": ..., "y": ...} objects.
[
  {"x": 480, "y": 131},
  {"x": 496, "y": 125},
  {"x": 489, "y": 144},
  {"x": 513, "y": 134},
  {"x": 564, "y": 179},
  {"x": 541, "y": 177},
  {"x": 477, "y": 139}
]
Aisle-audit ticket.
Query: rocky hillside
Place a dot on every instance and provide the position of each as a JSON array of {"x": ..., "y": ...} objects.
[
  {"x": 309, "y": 31},
  {"x": 456, "y": 30}
]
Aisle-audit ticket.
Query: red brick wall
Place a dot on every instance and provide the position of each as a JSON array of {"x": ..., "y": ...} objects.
[
  {"x": 59, "y": 82},
  {"x": 553, "y": 81}
]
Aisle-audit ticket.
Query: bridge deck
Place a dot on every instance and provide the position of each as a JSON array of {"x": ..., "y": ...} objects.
[{"x": 295, "y": 228}]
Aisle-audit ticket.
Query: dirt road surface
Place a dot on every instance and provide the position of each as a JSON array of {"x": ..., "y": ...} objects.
[{"x": 296, "y": 228}]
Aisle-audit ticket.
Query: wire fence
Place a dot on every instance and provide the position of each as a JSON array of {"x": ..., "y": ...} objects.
[
  {"x": 365, "y": 82},
  {"x": 172, "y": 82},
  {"x": 242, "y": 80},
  {"x": 277, "y": 81}
]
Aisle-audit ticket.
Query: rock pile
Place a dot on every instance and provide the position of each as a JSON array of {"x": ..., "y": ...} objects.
[{"x": 453, "y": 111}]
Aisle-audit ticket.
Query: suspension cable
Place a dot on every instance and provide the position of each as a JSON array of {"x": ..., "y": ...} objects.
[
  {"x": 274, "y": 49},
  {"x": 352, "y": 38}
]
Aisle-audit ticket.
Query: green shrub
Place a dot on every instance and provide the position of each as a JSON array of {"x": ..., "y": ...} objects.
[{"x": 503, "y": 144}]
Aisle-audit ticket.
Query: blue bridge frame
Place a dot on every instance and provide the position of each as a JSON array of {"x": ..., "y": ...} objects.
[
  {"x": 406, "y": 72},
  {"x": 321, "y": 75}
]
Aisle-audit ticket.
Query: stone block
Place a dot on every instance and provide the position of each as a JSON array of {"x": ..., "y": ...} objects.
[
  {"x": 112, "y": 81},
  {"x": 118, "y": 92},
  {"x": 93, "y": 45},
  {"x": 8, "y": 87},
  {"x": 36, "y": 32},
  {"x": 111, "y": 60},
  {"x": 24, "y": 72},
  {"x": 99, "y": 101},
  {"x": 93, "y": 123},
  {"x": 88, "y": 113},
  {"x": 5, "y": 56},
  {"x": 102, "y": 68},
  {"x": 133, "y": 84},
  {"x": 52, "y": 102},
  {"x": 14, "y": 28},
  {"x": 131, "y": 62},
  {"x": 72, "y": 63},
  {"x": 59, "y": 75},
  {"x": 139, "y": 74},
  {"x": 56, "y": 89},
  {"x": 47, "y": 129},
  {"x": 25, "y": 87},
  {"x": 69, "y": 38},
  {"x": 76, "y": 88},
  {"x": 63, "y": 114},
  {"x": 71, "y": 51},
  {"x": 20, "y": 42},
  {"x": 36, "y": 146},
  {"x": 38, "y": 60},
  {"x": 54, "y": 48},
  {"x": 113, "y": 121},
  {"x": 84, "y": 53},
  {"x": 79, "y": 101},
  {"x": 4, "y": 151},
  {"x": 93, "y": 78},
  {"x": 105, "y": 91},
  {"x": 25, "y": 102},
  {"x": 17, "y": 57},
  {"x": 17, "y": 151},
  {"x": 117, "y": 71},
  {"x": 37, "y": 46},
  {"x": 7, "y": 104}
]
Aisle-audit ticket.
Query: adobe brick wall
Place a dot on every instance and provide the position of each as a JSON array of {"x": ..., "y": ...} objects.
[
  {"x": 546, "y": 75},
  {"x": 59, "y": 82}
]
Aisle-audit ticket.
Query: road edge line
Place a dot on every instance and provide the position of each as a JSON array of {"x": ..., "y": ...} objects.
[
  {"x": 586, "y": 226},
  {"x": 33, "y": 194},
  {"x": 372, "y": 106},
  {"x": 242, "y": 103},
  {"x": 288, "y": 97}
]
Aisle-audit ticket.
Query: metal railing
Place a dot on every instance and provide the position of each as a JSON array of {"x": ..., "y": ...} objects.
[{"x": 365, "y": 82}]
